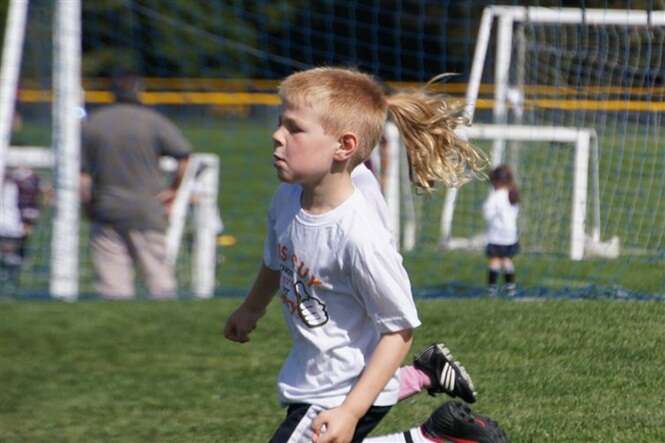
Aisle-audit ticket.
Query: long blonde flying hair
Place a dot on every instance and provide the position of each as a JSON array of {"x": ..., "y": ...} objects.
[{"x": 436, "y": 153}]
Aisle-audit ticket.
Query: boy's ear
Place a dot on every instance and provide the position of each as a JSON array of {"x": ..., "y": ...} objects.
[{"x": 348, "y": 145}]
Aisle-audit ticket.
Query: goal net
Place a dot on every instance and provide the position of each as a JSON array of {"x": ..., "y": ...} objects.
[
  {"x": 42, "y": 103},
  {"x": 571, "y": 99},
  {"x": 595, "y": 70},
  {"x": 191, "y": 234}
]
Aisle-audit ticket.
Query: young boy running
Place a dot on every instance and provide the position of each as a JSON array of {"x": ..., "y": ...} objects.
[{"x": 347, "y": 298}]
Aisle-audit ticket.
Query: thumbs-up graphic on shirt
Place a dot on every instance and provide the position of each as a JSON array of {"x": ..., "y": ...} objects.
[{"x": 310, "y": 309}]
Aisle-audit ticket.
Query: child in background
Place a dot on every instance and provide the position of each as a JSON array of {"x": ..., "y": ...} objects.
[
  {"x": 347, "y": 298},
  {"x": 501, "y": 210},
  {"x": 19, "y": 211},
  {"x": 11, "y": 232}
]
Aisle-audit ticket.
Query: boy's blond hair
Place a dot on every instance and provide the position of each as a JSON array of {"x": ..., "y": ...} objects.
[{"x": 346, "y": 100}]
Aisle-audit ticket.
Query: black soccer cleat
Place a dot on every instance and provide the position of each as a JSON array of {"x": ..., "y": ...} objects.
[
  {"x": 446, "y": 374},
  {"x": 455, "y": 422}
]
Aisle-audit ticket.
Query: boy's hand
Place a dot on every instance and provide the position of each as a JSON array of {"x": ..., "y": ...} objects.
[
  {"x": 334, "y": 426},
  {"x": 241, "y": 323},
  {"x": 244, "y": 319}
]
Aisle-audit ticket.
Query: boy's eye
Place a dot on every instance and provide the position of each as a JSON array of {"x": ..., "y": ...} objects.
[
  {"x": 292, "y": 127},
  {"x": 289, "y": 124}
]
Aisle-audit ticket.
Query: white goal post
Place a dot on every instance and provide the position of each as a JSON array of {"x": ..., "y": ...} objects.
[
  {"x": 66, "y": 140},
  {"x": 513, "y": 111},
  {"x": 9, "y": 72},
  {"x": 66, "y": 128},
  {"x": 397, "y": 193},
  {"x": 507, "y": 16},
  {"x": 585, "y": 142},
  {"x": 200, "y": 183},
  {"x": 508, "y": 96}
]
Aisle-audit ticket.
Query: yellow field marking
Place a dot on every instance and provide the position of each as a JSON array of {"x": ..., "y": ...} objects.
[
  {"x": 268, "y": 99},
  {"x": 261, "y": 85},
  {"x": 226, "y": 240}
]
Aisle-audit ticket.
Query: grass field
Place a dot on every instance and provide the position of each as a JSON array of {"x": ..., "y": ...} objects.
[
  {"x": 547, "y": 369},
  {"x": 145, "y": 371}
]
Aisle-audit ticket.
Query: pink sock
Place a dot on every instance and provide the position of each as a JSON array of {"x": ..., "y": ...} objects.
[{"x": 412, "y": 381}]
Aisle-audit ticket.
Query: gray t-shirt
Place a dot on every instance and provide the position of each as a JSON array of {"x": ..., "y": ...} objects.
[{"x": 121, "y": 146}]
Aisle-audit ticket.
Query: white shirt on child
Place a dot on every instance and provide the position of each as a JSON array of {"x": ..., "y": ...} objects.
[
  {"x": 10, "y": 215},
  {"x": 501, "y": 218},
  {"x": 342, "y": 286},
  {"x": 366, "y": 182}
]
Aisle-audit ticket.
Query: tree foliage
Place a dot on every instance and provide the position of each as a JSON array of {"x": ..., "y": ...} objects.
[{"x": 395, "y": 39}]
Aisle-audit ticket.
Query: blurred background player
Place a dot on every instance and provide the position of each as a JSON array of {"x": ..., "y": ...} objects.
[
  {"x": 19, "y": 211},
  {"x": 11, "y": 232},
  {"x": 501, "y": 210},
  {"x": 125, "y": 193},
  {"x": 20, "y": 203}
]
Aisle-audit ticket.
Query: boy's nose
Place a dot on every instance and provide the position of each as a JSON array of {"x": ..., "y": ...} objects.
[{"x": 276, "y": 139}]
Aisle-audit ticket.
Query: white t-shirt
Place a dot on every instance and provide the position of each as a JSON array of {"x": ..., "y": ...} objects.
[
  {"x": 366, "y": 182},
  {"x": 501, "y": 218},
  {"x": 10, "y": 215},
  {"x": 342, "y": 286}
]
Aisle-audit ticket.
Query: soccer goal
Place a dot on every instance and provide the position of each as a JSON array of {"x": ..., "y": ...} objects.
[
  {"x": 572, "y": 100},
  {"x": 56, "y": 262},
  {"x": 584, "y": 236},
  {"x": 194, "y": 212}
]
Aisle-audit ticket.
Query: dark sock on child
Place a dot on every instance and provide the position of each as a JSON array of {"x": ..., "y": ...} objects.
[{"x": 492, "y": 276}]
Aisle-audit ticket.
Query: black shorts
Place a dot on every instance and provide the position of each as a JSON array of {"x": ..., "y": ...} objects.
[
  {"x": 502, "y": 251},
  {"x": 297, "y": 425}
]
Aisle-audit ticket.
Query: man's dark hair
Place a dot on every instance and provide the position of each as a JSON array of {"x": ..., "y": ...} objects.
[{"x": 126, "y": 86}]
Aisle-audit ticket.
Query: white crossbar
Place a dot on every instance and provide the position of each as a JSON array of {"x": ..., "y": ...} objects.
[{"x": 538, "y": 14}]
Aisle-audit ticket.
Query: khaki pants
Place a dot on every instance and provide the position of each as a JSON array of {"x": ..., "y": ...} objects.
[{"x": 116, "y": 253}]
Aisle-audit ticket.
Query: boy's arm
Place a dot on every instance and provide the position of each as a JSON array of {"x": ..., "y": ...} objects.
[
  {"x": 386, "y": 359},
  {"x": 243, "y": 320}
]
